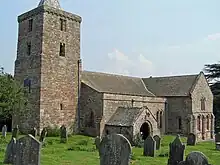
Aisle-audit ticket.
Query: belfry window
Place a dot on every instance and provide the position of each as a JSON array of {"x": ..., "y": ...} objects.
[
  {"x": 30, "y": 25},
  {"x": 62, "y": 24},
  {"x": 29, "y": 48}
]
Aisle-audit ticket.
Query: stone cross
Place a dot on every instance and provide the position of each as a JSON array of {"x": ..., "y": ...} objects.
[
  {"x": 115, "y": 149},
  {"x": 15, "y": 132},
  {"x": 158, "y": 141},
  {"x": 63, "y": 134},
  {"x": 10, "y": 154},
  {"x": 149, "y": 146},
  {"x": 28, "y": 151},
  {"x": 97, "y": 142},
  {"x": 34, "y": 132},
  {"x": 43, "y": 135},
  {"x": 191, "y": 139},
  {"x": 195, "y": 158},
  {"x": 176, "y": 151},
  {"x": 4, "y": 131}
]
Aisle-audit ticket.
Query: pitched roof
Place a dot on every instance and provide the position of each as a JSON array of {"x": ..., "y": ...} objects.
[
  {"x": 171, "y": 86},
  {"x": 110, "y": 83},
  {"x": 125, "y": 116},
  {"x": 51, "y": 3}
]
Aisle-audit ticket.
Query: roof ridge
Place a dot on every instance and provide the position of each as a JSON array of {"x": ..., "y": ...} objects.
[
  {"x": 184, "y": 75},
  {"x": 111, "y": 74}
]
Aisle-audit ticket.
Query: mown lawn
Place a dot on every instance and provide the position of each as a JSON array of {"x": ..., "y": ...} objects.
[{"x": 80, "y": 150}]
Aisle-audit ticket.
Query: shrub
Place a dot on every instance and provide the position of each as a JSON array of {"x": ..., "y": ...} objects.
[
  {"x": 138, "y": 141},
  {"x": 53, "y": 131},
  {"x": 83, "y": 142}
]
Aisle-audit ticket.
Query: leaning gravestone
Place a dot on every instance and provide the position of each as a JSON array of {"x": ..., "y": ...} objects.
[
  {"x": 10, "y": 154},
  {"x": 15, "y": 132},
  {"x": 217, "y": 137},
  {"x": 97, "y": 142},
  {"x": 115, "y": 149},
  {"x": 43, "y": 135},
  {"x": 28, "y": 151},
  {"x": 149, "y": 146},
  {"x": 191, "y": 139},
  {"x": 195, "y": 158},
  {"x": 158, "y": 141},
  {"x": 176, "y": 154},
  {"x": 4, "y": 131},
  {"x": 34, "y": 132},
  {"x": 63, "y": 134}
]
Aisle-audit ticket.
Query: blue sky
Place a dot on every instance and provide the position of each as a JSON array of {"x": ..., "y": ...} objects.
[{"x": 138, "y": 38}]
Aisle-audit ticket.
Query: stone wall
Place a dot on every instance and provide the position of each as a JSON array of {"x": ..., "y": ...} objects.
[
  {"x": 202, "y": 90},
  {"x": 90, "y": 101},
  {"x": 59, "y": 74},
  {"x": 112, "y": 101},
  {"x": 29, "y": 66},
  {"x": 178, "y": 109}
]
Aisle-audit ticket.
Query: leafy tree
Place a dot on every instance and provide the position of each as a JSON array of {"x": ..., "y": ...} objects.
[
  {"x": 12, "y": 96},
  {"x": 213, "y": 75}
]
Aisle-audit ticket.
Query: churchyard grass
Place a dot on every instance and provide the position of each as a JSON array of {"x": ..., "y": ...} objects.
[{"x": 80, "y": 150}]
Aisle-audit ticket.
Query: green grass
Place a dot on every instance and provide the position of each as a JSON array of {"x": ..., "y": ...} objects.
[{"x": 80, "y": 150}]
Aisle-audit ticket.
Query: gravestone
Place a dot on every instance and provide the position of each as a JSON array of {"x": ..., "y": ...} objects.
[
  {"x": 10, "y": 153},
  {"x": 43, "y": 135},
  {"x": 149, "y": 146},
  {"x": 115, "y": 149},
  {"x": 158, "y": 141},
  {"x": 63, "y": 134},
  {"x": 97, "y": 142},
  {"x": 217, "y": 137},
  {"x": 4, "y": 131},
  {"x": 28, "y": 151},
  {"x": 176, "y": 153},
  {"x": 217, "y": 146},
  {"x": 34, "y": 132},
  {"x": 195, "y": 158},
  {"x": 191, "y": 139},
  {"x": 15, "y": 132}
]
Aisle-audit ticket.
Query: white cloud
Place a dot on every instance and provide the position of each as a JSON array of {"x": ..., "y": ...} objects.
[
  {"x": 214, "y": 36},
  {"x": 119, "y": 63}
]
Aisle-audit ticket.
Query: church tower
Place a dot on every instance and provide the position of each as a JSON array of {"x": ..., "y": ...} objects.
[{"x": 48, "y": 65}]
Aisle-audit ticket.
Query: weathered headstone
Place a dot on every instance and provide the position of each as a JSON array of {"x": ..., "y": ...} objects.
[
  {"x": 191, "y": 139},
  {"x": 217, "y": 137},
  {"x": 10, "y": 154},
  {"x": 158, "y": 141},
  {"x": 217, "y": 146},
  {"x": 43, "y": 135},
  {"x": 63, "y": 134},
  {"x": 4, "y": 131},
  {"x": 34, "y": 132},
  {"x": 15, "y": 132},
  {"x": 176, "y": 153},
  {"x": 195, "y": 158},
  {"x": 115, "y": 149},
  {"x": 149, "y": 146},
  {"x": 97, "y": 142},
  {"x": 28, "y": 151}
]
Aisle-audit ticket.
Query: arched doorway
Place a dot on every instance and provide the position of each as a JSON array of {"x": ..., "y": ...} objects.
[{"x": 145, "y": 130}]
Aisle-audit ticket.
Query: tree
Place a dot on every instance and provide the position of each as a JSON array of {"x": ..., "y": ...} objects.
[
  {"x": 12, "y": 96},
  {"x": 212, "y": 72}
]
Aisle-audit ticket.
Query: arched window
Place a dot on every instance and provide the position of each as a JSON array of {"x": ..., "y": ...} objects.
[
  {"x": 203, "y": 104},
  {"x": 199, "y": 123},
  {"x": 161, "y": 119},
  {"x": 207, "y": 124},
  {"x": 179, "y": 123}
]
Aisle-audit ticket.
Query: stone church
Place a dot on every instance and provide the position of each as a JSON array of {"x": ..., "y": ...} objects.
[{"x": 59, "y": 92}]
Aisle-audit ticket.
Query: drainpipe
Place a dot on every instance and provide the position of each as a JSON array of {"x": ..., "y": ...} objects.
[{"x": 79, "y": 81}]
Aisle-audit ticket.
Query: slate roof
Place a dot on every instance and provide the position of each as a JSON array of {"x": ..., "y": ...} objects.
[
  {"x": 51, "y": 3},
  {"x": 171, "y": 86},
  {"x": 118, "y": 84},
  {"x": 125, "y": 116}
]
